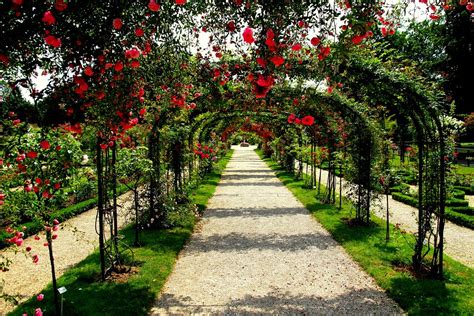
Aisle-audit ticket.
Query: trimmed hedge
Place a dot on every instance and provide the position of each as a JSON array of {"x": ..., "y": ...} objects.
[
  {"x": 465, "y": 189},
  {"x": 410, "y": 200},
  {"x": 458, "y": 194},
  {"x": 459, "y": 218},
  {"x": 457, "y": 211},
  {"x": 457, "y": 202},
  {"x": 398, "y": 196},
  {"x": 35, "y": 227},
  {"x": 463, "y": 210},
  {"x": 400, "y": 188}
]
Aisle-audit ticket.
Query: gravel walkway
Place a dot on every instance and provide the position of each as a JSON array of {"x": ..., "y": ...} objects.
[
  {"x": 459, "y": 241},
  {"x": 259, "y": 251},
  {"x": 76, "y": 240},
  {"x": 470, "y": 199}
]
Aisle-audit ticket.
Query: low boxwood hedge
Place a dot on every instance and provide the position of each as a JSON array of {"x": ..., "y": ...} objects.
[
  {"x": 463, "y": 210},
  {"x": 456, "y": 202},
  {"x": 467, "y": 190},
  {"x": 36, "y": 226},
  {"x": 402, "y": 187},
  {"x": 410, "y": 200},
  {"x": 457, "y": 211},
  {"x": 458, "y": 194},
  {"x": 404, "y": 198},
  {"x": 460, "y": 218}
]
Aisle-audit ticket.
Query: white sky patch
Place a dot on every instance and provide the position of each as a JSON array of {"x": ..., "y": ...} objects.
[{"x": 39, "y": 81}]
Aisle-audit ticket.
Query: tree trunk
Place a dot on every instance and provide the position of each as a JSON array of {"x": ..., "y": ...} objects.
[
  {"x": 100, "y": 208},
  {"x": 53, "y": 273}
]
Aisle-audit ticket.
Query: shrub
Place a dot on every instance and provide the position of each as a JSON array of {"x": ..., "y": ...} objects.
[
  {"x": 33, "y": 227},
  {"x": 402, "y": 188},
  {"x": 85, "y": 190},
  {"x": 458, "y": 212},
  {"x": 457, "y": 194},
  {"x": 18, "y": 208},
  {"x": 460, "y": 219},
  {"x": 466, "y": 189},
  {"x": 397, "y": 196},
  {"x": 456, "y": 202},
  {"x": 463, "y": 210}
]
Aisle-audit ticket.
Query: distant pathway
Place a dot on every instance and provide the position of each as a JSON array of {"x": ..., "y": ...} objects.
[
  {"x": 459, "y": 241},
  {"x": 76, "y": 240},
  {"x": 259, "y": 251}
]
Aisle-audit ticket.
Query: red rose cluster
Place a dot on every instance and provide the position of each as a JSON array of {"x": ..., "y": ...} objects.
[{"x": 307, "y": 120}]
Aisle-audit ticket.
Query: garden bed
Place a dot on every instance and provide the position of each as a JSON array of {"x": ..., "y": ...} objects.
[
  {"x": 155, "y": 259},
  {"x": 68, "y": 212},
  {"x": 457, "y": 211}
]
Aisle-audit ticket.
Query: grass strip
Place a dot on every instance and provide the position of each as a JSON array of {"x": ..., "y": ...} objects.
[
  {"x": 378, "y": 258},
  {"x": 156, "y": 257}
]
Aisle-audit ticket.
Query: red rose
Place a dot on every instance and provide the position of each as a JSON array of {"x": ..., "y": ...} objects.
[
  {"x": 48, "y": 18},
  {"x": 139, "y": 32},
  {"x": 32, "y": 154},
  {"x": 308, "y": 120},
  {"x": 291, "y": 118},
  {"x": 248, "y": 35},
  {"x": 153, "y": 6},
  {"x": 117, "y": 24},
  {"x": 88, "y": 71},
  {"x": 296, "y": 47},
  {"x": 52, "y": 41},
  {"x": 44, "y": 144},
  {"x": 277, "y": 60}
]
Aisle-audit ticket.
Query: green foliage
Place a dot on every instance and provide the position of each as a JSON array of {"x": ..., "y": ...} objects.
[
  {"x": 83, "y": 190},
  {"x": 133, "y": 164},
  {"x": 457, "y": 194},
  {"x": 205, "y": 190},
  {"x": 422, "y": 44},
  {"x": 404, "y": 198},
  {"x": 413, "y": 201},
  {"x": 46, "y": 162},
  {"x": 463, "y": 219},
  {"x": 463, "y": 210},
  {"x": 456, "y": 202},
  {"x": 456, "y": 210},
  {"x": 465, "y": 189},
  {"x": 402, "y": 188}
]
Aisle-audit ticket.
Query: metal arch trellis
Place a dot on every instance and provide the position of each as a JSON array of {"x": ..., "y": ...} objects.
[
  {"x": 423, "y": 108},
  {"x": 204, "y": 123},
  {"x": 362, "y": 134}
]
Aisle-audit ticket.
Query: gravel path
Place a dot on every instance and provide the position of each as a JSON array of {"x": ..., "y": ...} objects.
[
  {"x": 459, "y": 241},
  {"x": 76, "y": 240},
  {"x": 470, "y": 199},
  {"x": 259, "y": 251}
]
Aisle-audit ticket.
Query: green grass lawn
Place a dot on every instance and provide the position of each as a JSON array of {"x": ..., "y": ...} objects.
[
  {"x": 156, "y": 257},
  {"x": 463, "y": 170},
  {"x": 368, "y": 247}
]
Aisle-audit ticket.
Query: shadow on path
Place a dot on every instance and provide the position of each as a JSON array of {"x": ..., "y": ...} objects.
[{"x": 366, "y": 301}]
